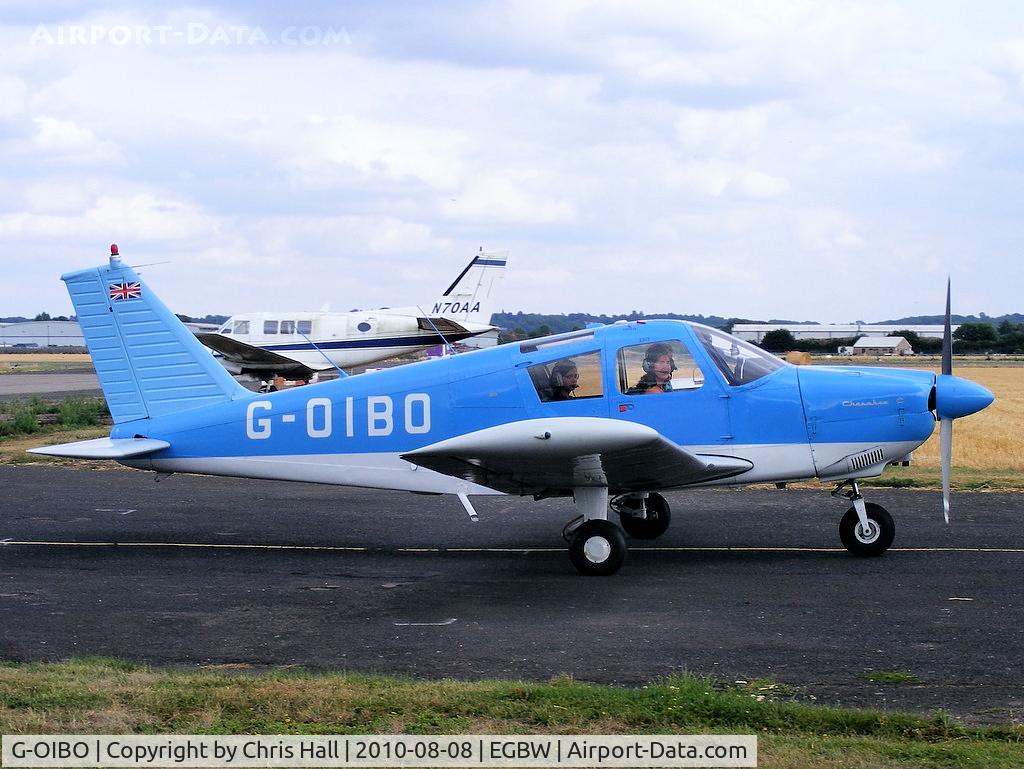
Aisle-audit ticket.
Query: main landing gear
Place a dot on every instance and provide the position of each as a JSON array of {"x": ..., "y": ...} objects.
[
  {"x": 597, "y": 547},
  {"x": 866, "y": 529}
]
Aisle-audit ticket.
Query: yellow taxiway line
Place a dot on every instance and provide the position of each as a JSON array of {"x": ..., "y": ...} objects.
[{"x": 437, "y": 550}]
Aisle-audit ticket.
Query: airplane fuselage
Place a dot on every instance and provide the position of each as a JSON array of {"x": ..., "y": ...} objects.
[
  {"x": 726, "y": 399},
  {"x": 319, "y": 340}
]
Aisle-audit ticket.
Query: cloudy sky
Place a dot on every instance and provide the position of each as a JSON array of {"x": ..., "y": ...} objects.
[{"x": 809, "y": 160}]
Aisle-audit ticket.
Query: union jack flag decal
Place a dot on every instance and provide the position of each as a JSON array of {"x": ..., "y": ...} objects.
[{"x": 123, "y": 291}]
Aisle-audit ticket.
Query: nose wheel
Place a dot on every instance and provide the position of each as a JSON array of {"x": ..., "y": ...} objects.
[{"x": 866, "y": 529}]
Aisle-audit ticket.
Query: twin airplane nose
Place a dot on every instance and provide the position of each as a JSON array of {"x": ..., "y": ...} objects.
[{"x": 956, "y": 397}]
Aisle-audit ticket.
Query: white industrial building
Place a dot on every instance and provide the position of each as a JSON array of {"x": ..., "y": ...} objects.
[
  {"x": 57, "y": 333},
  {"x": 754, "y": 332},
  {"x": 41, "y": 333}
]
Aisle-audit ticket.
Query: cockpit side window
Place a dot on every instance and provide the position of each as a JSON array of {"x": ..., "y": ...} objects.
[
  {"x": 241, "y": 327},
  {"x": 740, "y": 362},
  {"x": 658, "y": 367},
  {"x": 570, "y": 378}
]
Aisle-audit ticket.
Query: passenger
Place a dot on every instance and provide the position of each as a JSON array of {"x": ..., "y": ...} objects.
[
  {"x": 658, "y": 367},
  {"x": 563, "y": 380}
]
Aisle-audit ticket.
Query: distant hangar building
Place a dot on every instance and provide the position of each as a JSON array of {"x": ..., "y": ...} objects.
[
  {"x": 41, "y": 333},
  {"x": 882, "y": 345},
  {"x": 754, "y": 332}
]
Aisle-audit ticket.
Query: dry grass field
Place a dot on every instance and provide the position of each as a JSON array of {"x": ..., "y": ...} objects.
[
  {"x": 45, "y": 357},
  {"x": 41, "y": 362},
  {"x": 993, "y": 438}
]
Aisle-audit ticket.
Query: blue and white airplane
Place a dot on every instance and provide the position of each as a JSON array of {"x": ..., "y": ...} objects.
[
  {"x": 300, "y": 343},
  {"x": 608, "y": 416}
]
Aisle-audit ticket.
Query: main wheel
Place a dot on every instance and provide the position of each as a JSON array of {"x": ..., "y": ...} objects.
[
  {"x": 653, "y": 525},
  {"x": 598, "y": 548},
  {"x": 873, "y": 541}
]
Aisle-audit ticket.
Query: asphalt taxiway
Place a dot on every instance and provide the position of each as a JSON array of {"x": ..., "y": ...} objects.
[{"x": 210, "y": 571}]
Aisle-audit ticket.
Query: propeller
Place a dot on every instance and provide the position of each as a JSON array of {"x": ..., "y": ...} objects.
[
  {"x": 946, "y": 423},
  {"x": 954, "y": 398}
]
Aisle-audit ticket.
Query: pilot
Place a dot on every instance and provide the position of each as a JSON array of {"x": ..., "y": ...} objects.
[
  {"x": 658, "y": 366},
  {"x": 563, "y": 380}
]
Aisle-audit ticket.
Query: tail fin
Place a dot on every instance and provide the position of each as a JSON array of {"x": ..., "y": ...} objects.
[
  {"x": 471, "y": 295},
  {"x": 147, "y": 362}
]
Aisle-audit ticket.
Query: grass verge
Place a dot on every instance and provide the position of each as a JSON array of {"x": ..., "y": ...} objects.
[
  {"x": 963, "y": 479},
  {"x": 13, "y": 448},
  {"x": 23, "y": 418},
  {"x": 108, "y": 696}
]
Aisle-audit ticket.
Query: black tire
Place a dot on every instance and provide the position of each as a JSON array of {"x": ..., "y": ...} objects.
[
  {"x": 877, "y": 541},
  {"x": 598, "y": 548},
  {"x": 659, "y": 516}
]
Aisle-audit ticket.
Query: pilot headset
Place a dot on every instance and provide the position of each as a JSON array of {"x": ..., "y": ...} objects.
[
  {"x": 558, "y": 372},
  {"x": 654, "y": 352}
]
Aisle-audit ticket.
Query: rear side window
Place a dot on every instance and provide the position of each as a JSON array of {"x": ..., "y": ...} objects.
[
  {"x": 660, "y": 367},
  {"x": 287, "y": 326},
  {"x": 270, "y": 327},
  {"x": 571, "y": 378},
  {"x": 306, "y": 327}
]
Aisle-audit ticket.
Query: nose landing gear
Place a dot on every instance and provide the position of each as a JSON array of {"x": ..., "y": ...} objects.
[{"x": 866, "y": 529}]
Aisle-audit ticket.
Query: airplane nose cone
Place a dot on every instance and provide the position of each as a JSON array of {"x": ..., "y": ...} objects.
[{"x": 956, "y": 397}]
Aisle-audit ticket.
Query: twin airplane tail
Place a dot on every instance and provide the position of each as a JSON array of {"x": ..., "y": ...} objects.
[
  {"x": 147, "y": 362},
  {"x": 471, "y": 296}
]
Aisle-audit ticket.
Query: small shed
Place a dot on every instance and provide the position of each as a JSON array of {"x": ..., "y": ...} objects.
[{"x": 882, "y": 345}]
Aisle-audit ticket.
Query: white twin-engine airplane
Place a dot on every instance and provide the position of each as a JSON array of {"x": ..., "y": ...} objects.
[{"x": 300, "y": 343}]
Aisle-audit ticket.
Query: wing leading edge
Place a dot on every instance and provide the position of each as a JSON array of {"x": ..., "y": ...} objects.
[{"x": 553, "y": 456}]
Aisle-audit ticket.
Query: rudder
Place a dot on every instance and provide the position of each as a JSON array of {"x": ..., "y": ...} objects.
[
  {"x": 471, "y": 294},
  {"x": 147, "y": 362}
]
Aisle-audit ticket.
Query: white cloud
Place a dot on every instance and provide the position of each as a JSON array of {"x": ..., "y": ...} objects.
[
  {"x": 12, "y": 95},
  {"x": 717, "y": 178},
  {"x": 64, "y": 197},
  {"x": 65, "y": 141},
  {"x": 143, "y": 217},
  {"x": 374, "y": 148},
  {"x": 824, "y": 230},
  {"x": 601, "y": 142}
]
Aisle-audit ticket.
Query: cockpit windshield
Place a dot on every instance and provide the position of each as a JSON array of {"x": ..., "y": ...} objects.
[{"x": 740, "y": 362}]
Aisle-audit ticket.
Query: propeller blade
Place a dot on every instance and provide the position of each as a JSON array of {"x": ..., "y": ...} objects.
[
  {"x": 946, "y": 450},
  {"x": 947, "y": 338}
]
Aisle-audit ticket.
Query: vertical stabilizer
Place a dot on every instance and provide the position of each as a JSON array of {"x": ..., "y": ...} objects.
[
  {"x": 471, "y": 296},
  {"x": 147, "y": 362}
]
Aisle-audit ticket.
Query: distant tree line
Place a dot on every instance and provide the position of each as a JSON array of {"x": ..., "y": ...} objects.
[{"x": 529, "y": 325}]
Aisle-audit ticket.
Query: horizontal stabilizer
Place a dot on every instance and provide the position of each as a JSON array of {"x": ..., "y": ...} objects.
[
  {"x": 557, "y": 454},
  {"x": 104, "y": 448}
]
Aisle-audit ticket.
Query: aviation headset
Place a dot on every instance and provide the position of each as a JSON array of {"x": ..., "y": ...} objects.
[
  {"x": 654, "y": 352},
  {"x": 559, "y": 371}
]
